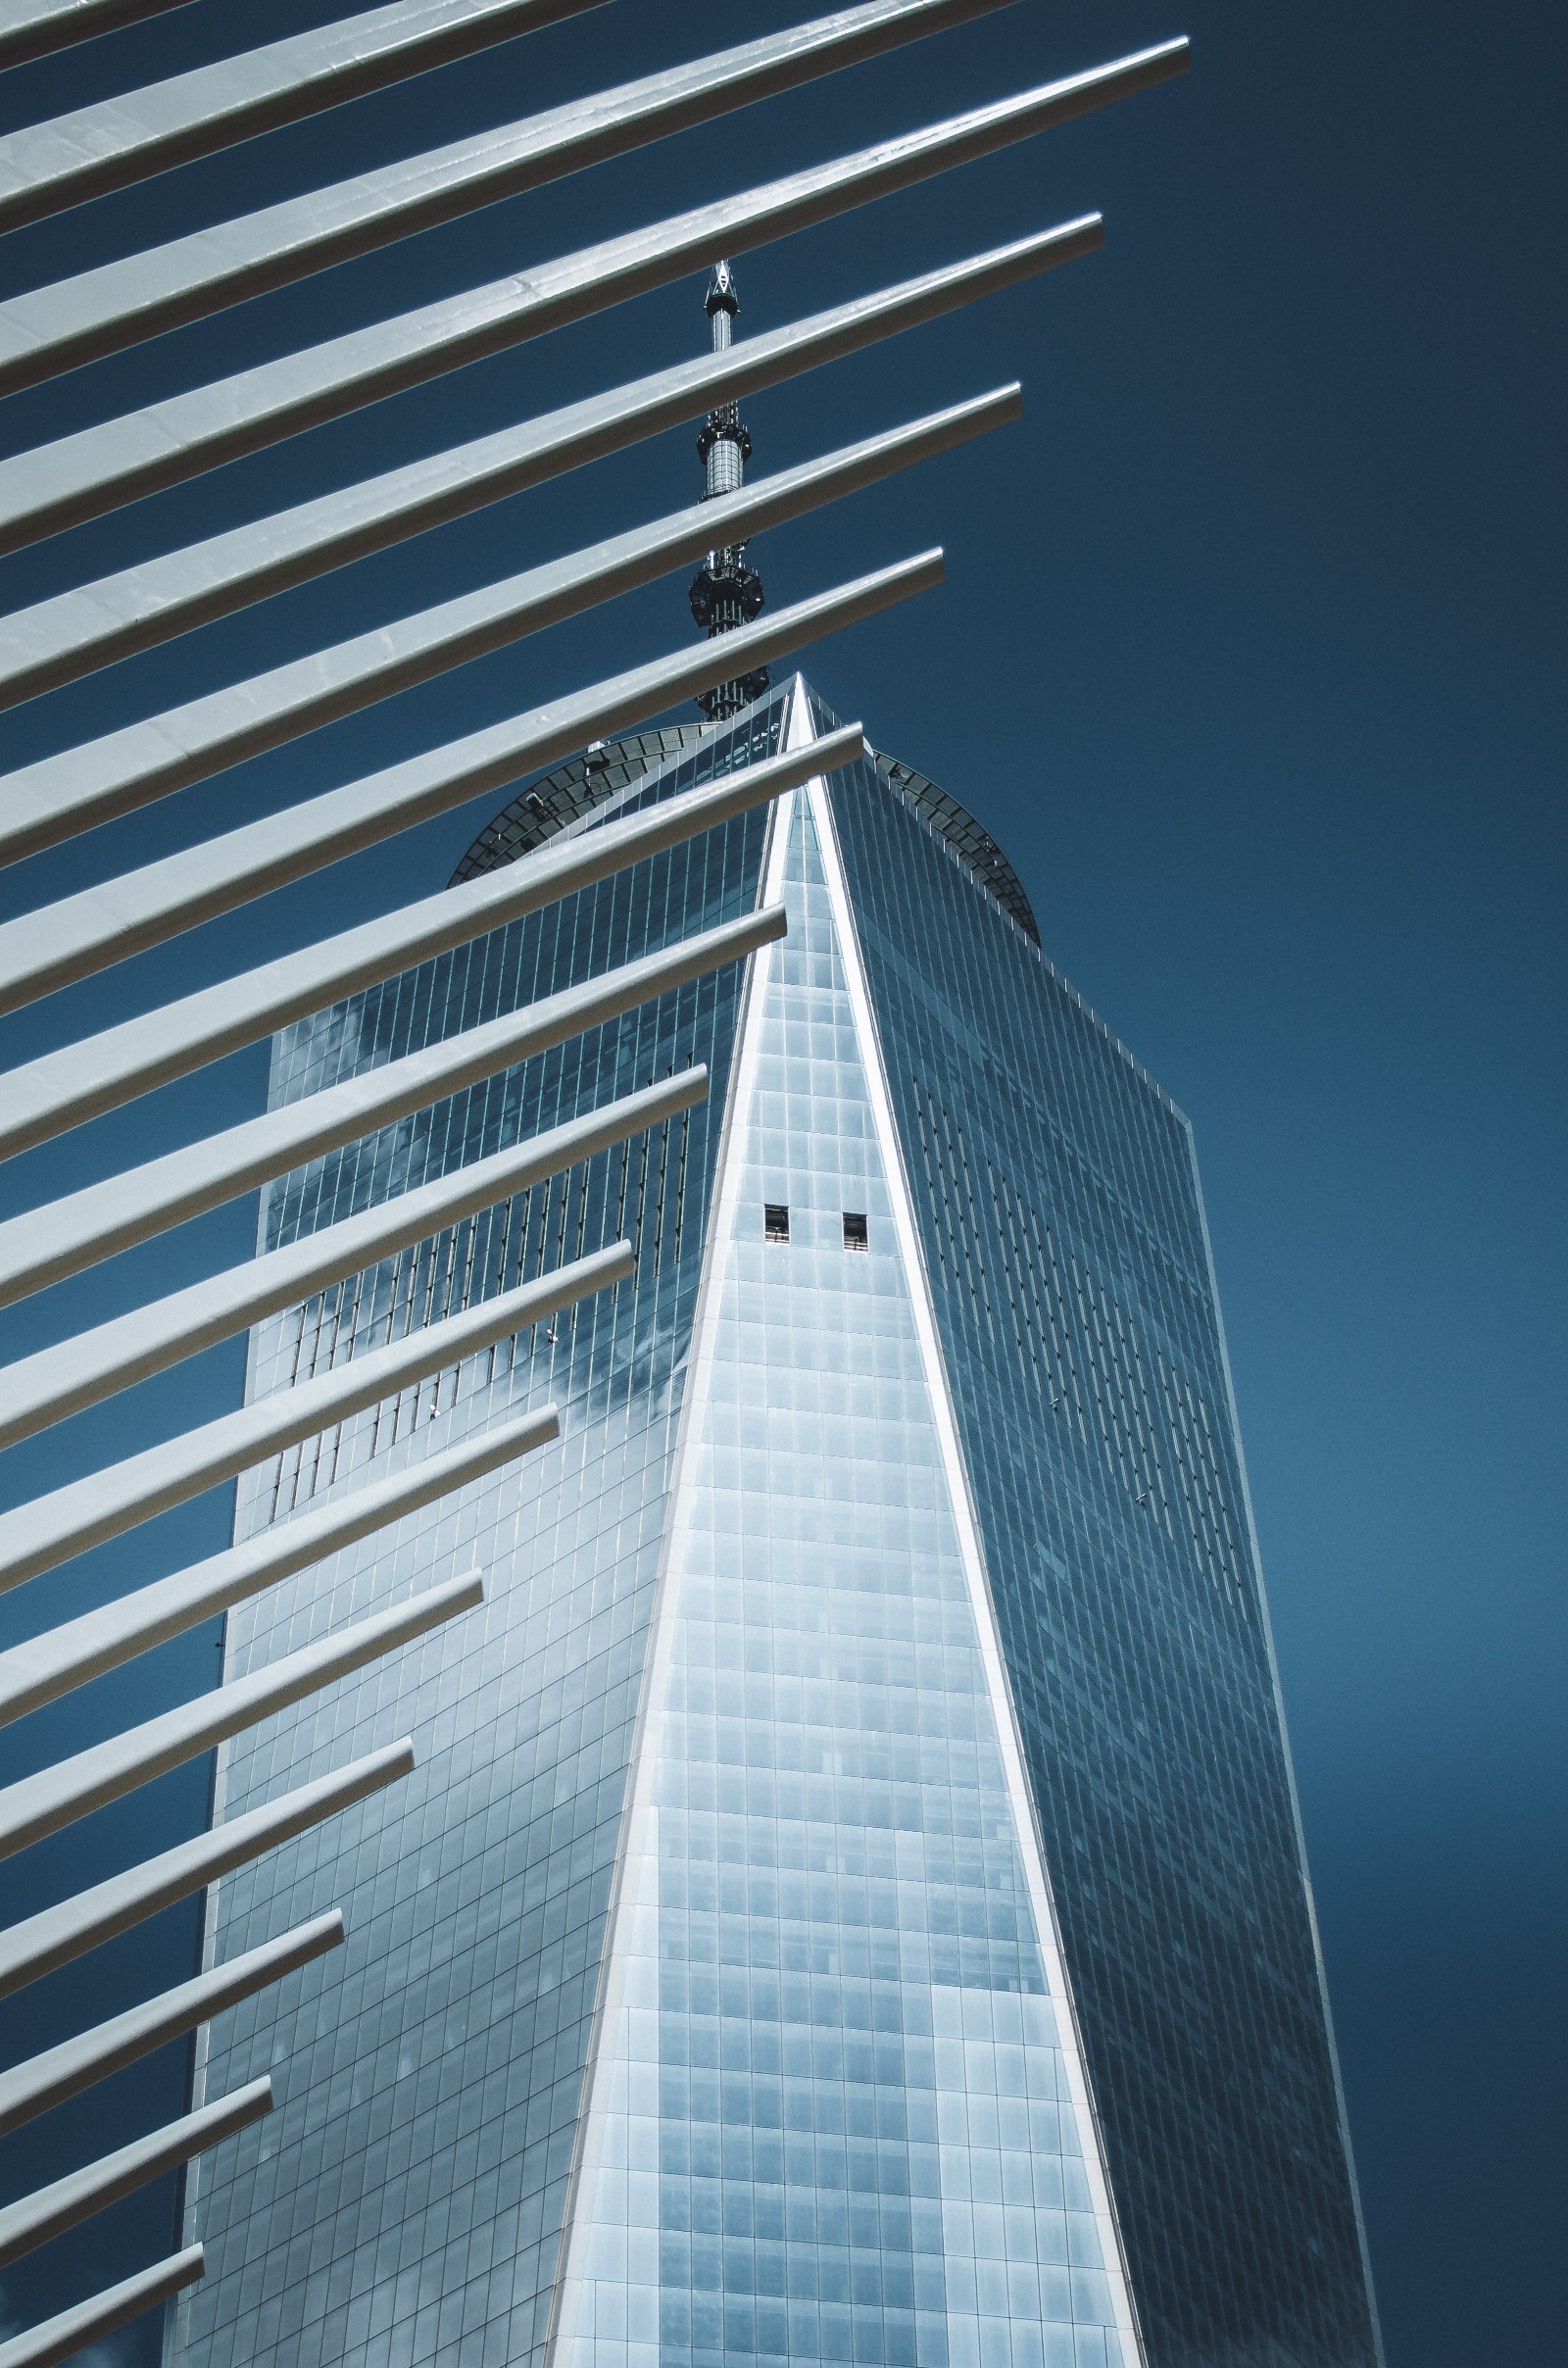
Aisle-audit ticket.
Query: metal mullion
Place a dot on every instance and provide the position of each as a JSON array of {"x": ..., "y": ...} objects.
[
  {"x": 1064, "y": 1314},
  {"x": 923, "y": 1127},
  {"x": 645, "y": 1160},
  {"x": 948, "y": 1199},
  {"x": 1095, "y": 1365},
  {"x": 405, "y": 1282},
  {"x": 302, "y": 1316},
  {"x": 619, "y": 1225},
  {"x": 316, "y": 1314},
  {"x": 1056, "y": 1382},
  {"x": 466, "y": 1297},
  {"x": 1151, "y": 1433},
  {"x": 1202, "y": 1442},
  {"x": 964, "y": 1227},
  {"x": 1117, "y": 1344},
  {"x": 430, "y": 1253},
  {"x": 1219, "y": 1487},
  {"x": 1105, "y": 1369},
  {"x": 316, "y": 1444},
  {"x": 1044, "y": 1321},
  {"x": 534, "y": 1264},
  {"x": 973, "y": 1207},
  {"x": 1003, "y": 1223},
  {"x": 564, "y": 1182},
  {"x": 337, "y": 1456},
  {"x": 288, "y": 1461},
  {"x": 348, "y": 1334},
  {"x": 658, "y": 1197},
  {"x": 1169, "y": 1388},
  {"x": 1041, "y": 1285},
  {"x": 522, "y": 1210},
  {"x": 680, "y": 1176},
  {"x": 1027, "y": 1308},
  {"x": 580, "y": 1185},
  {"x": 1203, "y": 1492},
  {"x": 1196, "y": 1503}
]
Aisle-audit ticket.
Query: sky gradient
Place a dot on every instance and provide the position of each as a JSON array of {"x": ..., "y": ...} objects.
[{"x": 1250, "y": 654}]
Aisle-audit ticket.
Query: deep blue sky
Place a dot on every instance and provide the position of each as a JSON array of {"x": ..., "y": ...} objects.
[{"x": 1250, "y": 654}]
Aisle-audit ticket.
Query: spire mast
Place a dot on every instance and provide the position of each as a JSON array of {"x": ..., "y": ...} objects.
[{"x": 725, "y": 592}]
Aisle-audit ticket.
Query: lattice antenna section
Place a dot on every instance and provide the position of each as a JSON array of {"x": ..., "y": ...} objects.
[{"x": 726, "y": 592}]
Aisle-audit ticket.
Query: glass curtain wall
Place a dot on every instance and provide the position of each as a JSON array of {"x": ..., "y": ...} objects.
[
  {"x": 403, "y": 2203},
  {"x": 902, "y": 1490},
  {"x": 1067, "y": 1257},
  {"x": 838, "y": 2112}
]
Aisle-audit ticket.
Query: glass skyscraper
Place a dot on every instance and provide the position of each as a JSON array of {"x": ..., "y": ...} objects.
[{"x": 849, "y": 1907}]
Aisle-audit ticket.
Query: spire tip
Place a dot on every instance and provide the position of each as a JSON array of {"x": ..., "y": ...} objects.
[{"x": 722, "y": 295}]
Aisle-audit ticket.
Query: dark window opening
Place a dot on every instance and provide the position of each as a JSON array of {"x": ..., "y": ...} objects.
[
  {"x": 775, "y": 1221},
  {"x": 855, "y": 1233}
]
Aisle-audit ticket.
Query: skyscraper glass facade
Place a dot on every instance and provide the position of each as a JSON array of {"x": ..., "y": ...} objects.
[
  {"x": 1067, "y": 1257},
  {"x": 850, "y": 1905}
]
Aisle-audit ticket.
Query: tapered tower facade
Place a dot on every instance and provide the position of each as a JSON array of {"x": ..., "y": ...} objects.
[{"x": 850, "y": 1905}]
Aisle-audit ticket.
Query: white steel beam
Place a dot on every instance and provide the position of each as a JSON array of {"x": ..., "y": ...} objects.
[
  {"x": 300, "y": 838},
  {"x": 115, "y": 141},
  {"x": 44, "y": 1667},
  {"x": 139, "y": 296},
  {"x": 32, "y": 29},
  {"x": 69, "y": 792},
  {"x": 43, "y": 1245},
  {"x": 48, "y": 1530},
  {"x": 60, "y": 1090},
  {"x": 45, "y": 1803},
  {"x": 140, "y": 909},
  {"x": 47, "y": 2080},
  {"x": 83, "y": 474},
  {"x": 57, "y": 640},
  {"x": 43, "y": 1097},
  {"x": 77, "y": 936},
  {"x": 57, "y": 1935},
  {"x": 64, "y": 2336},
  {"x": 91, "y": 1365},
  {"x": 66, "y": 2202}
]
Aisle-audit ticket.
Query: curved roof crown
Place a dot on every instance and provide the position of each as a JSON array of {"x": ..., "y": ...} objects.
[{"x": 556, "y": 800}]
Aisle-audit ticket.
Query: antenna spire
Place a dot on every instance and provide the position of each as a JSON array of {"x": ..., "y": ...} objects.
[{"x": 724, "y": 591}]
